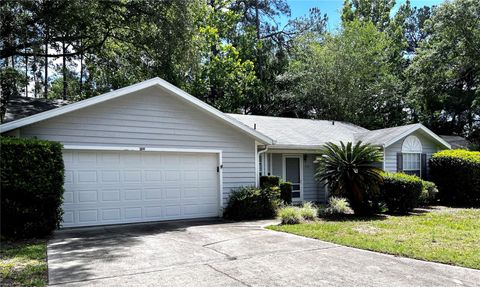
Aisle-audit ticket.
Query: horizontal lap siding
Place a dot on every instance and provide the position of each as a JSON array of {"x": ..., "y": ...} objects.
[
  {"x": 312, "y": 190},
  {"x": 428, "y": 146},
  {"x": 154, "y": 118}
]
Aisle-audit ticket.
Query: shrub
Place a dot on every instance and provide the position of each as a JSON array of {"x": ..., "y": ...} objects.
[
  {"x": 290, "y": 215},
  {"x": 429, "y": 193},
  {"x": 400, "y": 192},
  {"x": 32, "y": 175},
  {"x": 286, "y": 192},
  {"x": 336, "y": 206},
  {"x": 308, "y": 211},
  {"x": 269, "y": 181},
  {"x": 351, "y": 171},
  {"x": 457, "y": 175},
  {"x": 252, "y": 203}
]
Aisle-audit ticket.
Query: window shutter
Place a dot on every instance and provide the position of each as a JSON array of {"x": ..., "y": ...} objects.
[
  {"x": 399, "y": 162},
  {"x": 423, "y": 163}
]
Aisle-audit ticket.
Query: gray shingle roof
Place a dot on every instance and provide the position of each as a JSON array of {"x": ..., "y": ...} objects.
[
  {"x": 383, "y": 136},
  {"x": 22, "y": 107},
  {"x": 300, "y": 132}
]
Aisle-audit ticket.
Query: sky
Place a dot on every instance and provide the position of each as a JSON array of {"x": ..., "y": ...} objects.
[{"x": 333, "y": 8}]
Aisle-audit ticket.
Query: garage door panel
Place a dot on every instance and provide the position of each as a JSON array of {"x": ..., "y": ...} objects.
[
  {"x": 104, "y": 187},
  {"x": 111, "y": 195},
  {"x": 132, "y": 176},
  {"x": 111, "y": 214},
  {"x": 87, "y": 196},
  {"x": 110, "y": 176},
  {"x": 88, "y": 216}
]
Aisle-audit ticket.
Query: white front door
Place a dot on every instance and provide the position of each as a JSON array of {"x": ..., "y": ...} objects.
[
  {"x": 111, "y": 187},
  {"x": 293, "y": 172}
]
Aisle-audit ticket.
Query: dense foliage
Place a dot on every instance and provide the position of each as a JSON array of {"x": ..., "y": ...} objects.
[
  {"x": 350, "y": 171},
  {"x": 297, "y": 214},
  {"x": 31, "y": 187},
  {"x": 400, "y": 192},
  {"x": 247, "y": 203},
  {"x": 286, "y": 192},
  {"x": 457, "y": 175},
  {"x": 386, "y": 65},
  {"x": 337, "y": 206},
  {"x": 269, "y": 181},
  {"x": 429, "y": 193}
]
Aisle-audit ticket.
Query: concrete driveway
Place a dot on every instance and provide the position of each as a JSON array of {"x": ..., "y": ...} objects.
[{"x": 216, "y": 253}]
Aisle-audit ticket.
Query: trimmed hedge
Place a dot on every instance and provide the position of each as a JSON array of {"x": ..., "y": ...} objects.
[
  {"x": 400, "y": 192},
  {"x": 457, "y": 175},
  {"x": 32, "y": 176},
  {"x": 247, "y": 203},
  {"x": 269, "y": 181},
  {"x": 286, "y": 192}
]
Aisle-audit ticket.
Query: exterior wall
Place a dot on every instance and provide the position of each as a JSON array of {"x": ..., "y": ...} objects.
[
  {"x": 429, "y": 147},
  {"x": 312, "y": 191},
  {"x": 154, "y": 118}
]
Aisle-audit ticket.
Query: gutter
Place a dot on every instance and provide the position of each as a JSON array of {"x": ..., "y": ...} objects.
[{"x": 258, "y": 156}]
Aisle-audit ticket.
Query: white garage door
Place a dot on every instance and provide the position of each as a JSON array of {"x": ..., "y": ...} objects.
[{"x": 110, "y": 187}]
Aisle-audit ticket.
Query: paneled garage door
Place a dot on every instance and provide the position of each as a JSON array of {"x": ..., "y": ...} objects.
[{"x": 110, "y": 187}]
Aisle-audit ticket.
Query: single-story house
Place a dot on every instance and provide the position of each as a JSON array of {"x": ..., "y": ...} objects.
[{"x": 152, "y": 152}]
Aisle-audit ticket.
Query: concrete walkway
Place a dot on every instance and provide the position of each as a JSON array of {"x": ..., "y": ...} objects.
[{"x": 216, "y": 253}]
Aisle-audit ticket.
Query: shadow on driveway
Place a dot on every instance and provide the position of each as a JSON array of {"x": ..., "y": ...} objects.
[{"x": 85, "y": 253}]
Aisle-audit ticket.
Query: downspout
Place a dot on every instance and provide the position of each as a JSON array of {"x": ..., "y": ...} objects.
[{"x": 258, "y": 156}]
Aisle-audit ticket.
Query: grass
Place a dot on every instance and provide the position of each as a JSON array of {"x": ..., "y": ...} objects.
[
  {"x": 23, "y": 263},
  {"x": 446, "y": 235}
]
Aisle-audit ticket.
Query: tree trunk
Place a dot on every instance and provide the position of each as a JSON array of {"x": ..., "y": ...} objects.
[
  {"x": 214, "y": 52},
  {"x": 81, "y": 67},
  {"x": 357, "y": 200},
  {"x": 26, "y": 76},
  {"x": 34, "y": 73},
  {"x": 257, "y": 27},
  {"x": 45, "y": 84},
  {"x": 64, "y": 71}
]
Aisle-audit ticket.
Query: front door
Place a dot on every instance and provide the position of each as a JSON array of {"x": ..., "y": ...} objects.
[{"x": 293, "y": 172}]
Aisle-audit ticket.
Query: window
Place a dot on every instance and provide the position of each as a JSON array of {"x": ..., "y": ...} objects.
[
  {"x": 412, "y": 155},
  {"x": 412, "y": 163},
  {"x": 260, "y": 164}
]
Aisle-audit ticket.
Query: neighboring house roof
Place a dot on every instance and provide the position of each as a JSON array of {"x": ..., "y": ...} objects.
[
  {"x": 22, "y": 107},
  {"x": 300, "y": 133},
  {"x": 128, "y": 90},
  {"x": 388, "y": 136},
  {"x": 456, "y": 142}
]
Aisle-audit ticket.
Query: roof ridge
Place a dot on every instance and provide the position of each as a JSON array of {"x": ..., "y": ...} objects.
[{"x": 290, "y": 118}]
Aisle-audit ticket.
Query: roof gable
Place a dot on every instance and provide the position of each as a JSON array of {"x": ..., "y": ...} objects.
[
  {"x": 131, "y": 89},
  {"x": 389, "y": 136}
]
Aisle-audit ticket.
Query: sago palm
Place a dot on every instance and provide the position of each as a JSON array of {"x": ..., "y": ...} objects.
[{"x": 350, "y": 171}]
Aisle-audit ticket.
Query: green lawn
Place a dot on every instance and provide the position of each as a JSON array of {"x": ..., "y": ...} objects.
[
  {"x": 446, "y": 235},
  {"x": 23, "y": 263}
]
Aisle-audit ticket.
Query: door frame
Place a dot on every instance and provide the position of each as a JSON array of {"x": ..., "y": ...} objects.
[{"x": 284, "y": 172}]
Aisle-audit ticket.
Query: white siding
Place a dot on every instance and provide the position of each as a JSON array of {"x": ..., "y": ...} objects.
[
  {"x": 312, "y": 191},
  {"x": 428, "y": 146},
  {"x": 154, "y": 118}
]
